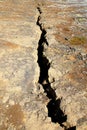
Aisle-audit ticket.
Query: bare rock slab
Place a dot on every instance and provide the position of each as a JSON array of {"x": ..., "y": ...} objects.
[{"x": 59, "y": 29}]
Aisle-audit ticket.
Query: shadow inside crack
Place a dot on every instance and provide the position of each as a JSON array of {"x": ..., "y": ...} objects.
[
  {"x": 54, "y": 109},
  {"x": 49, "y": 91},
  {"x": 55, "y": 112},
  {"x": 71, "y": 128}
]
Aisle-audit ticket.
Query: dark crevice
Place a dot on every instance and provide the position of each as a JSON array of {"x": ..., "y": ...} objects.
[
  {"x": 54, "y": 109},
  {"x": 55, "y": 112},
  {"x": 39, "y": 10},
  {"x": 71, "y": 128}
]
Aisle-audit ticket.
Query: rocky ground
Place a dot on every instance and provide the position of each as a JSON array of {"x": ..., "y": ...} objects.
[{"x": 43, "y": 65}]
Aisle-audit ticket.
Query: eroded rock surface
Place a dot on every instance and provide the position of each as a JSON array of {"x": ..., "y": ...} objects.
[
  {"x": 22, "y": 100},
  {"x": 43, "y": 65},
  {"x": 65, "y": 23}
]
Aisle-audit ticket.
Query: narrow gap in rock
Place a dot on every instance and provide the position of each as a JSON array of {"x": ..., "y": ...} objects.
[
  {"x": 71, "y": 128},
  {"x": 39, "y": 10},
  {"x": 54, "y": 110}
]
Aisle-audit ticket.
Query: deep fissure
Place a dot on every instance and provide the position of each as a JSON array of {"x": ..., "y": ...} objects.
[{"x": 54, "y": 110}]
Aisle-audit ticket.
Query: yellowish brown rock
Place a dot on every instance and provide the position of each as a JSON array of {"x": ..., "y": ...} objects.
[{"x": 59, "y": 27}]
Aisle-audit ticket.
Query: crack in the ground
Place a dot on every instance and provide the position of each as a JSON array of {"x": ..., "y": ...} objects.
[{"x": 54, "y": 110}]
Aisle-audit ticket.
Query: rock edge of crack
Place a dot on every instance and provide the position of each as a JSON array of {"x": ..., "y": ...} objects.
[{"x": 54, "y": 110}]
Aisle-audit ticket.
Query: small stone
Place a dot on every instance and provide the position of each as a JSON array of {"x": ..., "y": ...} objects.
[
  {"x": 6, "y": 98},
  {"x": 11, "y": 102}
]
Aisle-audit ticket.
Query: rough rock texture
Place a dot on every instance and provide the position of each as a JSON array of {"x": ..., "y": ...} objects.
[
  {"x": 66, "y": 26},
  {"x": 22, "y": 100},
  {"x": 43, "y": 65}
]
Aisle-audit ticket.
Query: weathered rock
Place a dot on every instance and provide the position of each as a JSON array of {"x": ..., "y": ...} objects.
[
  {"x": 65, "y": 24},
  {"x": 27, "y": 26},
  {"x": 22, "y": 101}
]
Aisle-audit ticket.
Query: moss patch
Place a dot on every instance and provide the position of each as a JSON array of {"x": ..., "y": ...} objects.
[{"x": 78, "y": 40}]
